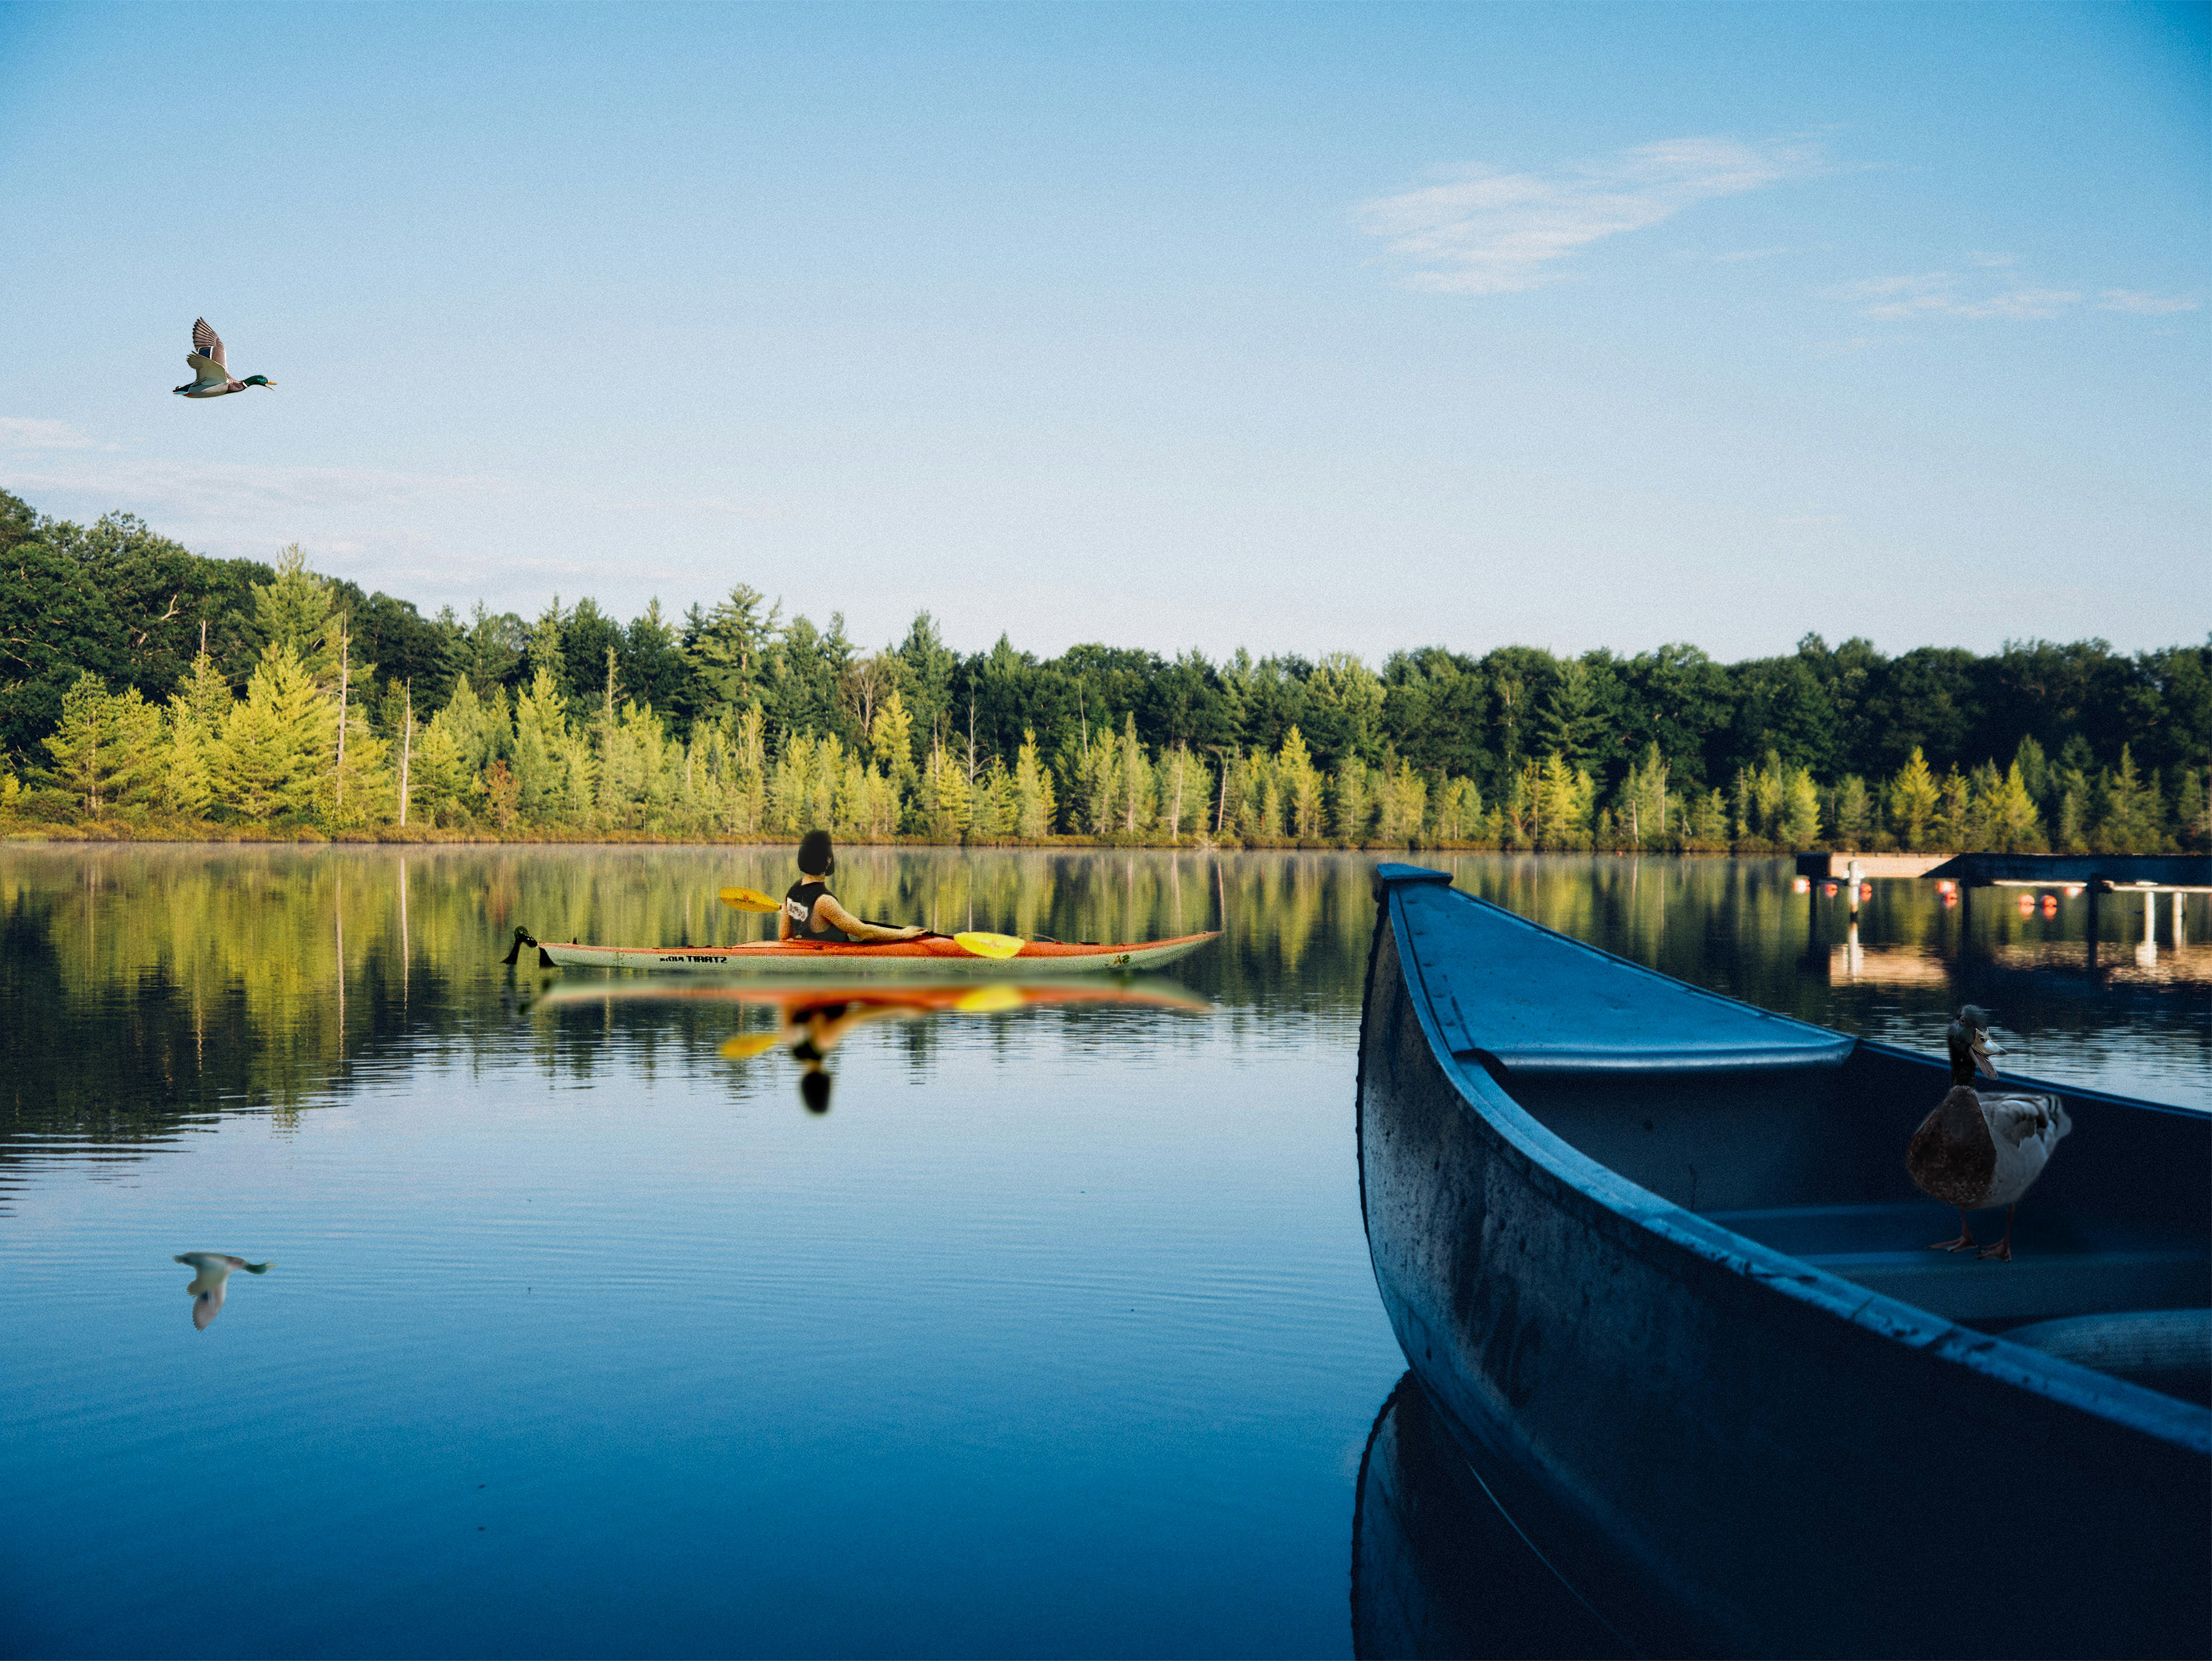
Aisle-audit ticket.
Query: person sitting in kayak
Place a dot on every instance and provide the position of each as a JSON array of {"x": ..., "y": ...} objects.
[{"x": 810, "y": 912}]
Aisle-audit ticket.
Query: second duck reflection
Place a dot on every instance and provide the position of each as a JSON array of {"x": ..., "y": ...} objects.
[{"x": 813, "y": 1019}]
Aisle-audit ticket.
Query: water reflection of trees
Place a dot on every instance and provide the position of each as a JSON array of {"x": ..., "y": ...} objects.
[{"x": 147, "y": 988}]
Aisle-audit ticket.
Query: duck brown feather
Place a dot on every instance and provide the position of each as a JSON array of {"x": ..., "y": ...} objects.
[{"x": 1951, "y": 1156}]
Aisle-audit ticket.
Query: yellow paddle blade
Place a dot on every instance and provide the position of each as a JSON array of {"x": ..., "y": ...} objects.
[
  {"x": 745, "y": 1045},
  {"x": 998, "y": 947},
  {"x": 750, "y": 899},
  {"x": 995, "y": 999}
]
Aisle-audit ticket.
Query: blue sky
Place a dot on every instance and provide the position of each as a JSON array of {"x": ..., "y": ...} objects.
[{"x": 1300, "y": 328}]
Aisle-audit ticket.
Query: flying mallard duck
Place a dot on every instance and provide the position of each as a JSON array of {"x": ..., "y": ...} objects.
[
  {"x": 1979, "y": 1148},
  {"x": 205, "y": 360},
  {"x": 210, "y": 1278}
]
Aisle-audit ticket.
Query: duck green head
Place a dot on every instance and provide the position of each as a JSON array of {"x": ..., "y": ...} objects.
[{"x": 257, "y": 380}]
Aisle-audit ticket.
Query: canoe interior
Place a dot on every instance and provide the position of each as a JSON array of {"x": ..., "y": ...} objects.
[{"x": 1812, "y": 1162}]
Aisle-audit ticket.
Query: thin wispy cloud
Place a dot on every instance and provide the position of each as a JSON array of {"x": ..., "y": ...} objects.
[
  {"x": 2141, "y": 304},
  {"x": 2013, "y": 299},
  {"x": 1941, "y": 293},
  {"x": 1488, "y": 233},
  {"x": 27, "y": 432}
]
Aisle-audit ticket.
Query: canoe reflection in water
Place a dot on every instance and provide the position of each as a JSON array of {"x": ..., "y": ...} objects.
[
  {"x": 812, "y": 1019},
  {"x": 211, "y": 1280},
  {"x": 1438, "y": 1570}
]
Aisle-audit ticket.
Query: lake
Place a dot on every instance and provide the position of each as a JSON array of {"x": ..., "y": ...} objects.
[{"x": 584, "y": 1335}]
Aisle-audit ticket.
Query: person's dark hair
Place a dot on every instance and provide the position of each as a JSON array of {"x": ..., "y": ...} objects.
[
  {"x": 814, "y": 1091},
  {"x": 815, "y": 857}
]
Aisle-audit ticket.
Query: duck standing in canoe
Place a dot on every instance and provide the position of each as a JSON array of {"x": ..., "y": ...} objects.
[{"x": 1982, "y": 1149}]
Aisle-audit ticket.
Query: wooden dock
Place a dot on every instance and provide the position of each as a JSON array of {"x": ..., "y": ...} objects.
[
  {"x": 2102, "y": 873},
  {"x": 2161, "y": 873},
  {"x": 1827, "y": 867}
]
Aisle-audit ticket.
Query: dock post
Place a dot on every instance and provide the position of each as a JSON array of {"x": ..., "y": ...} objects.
[{"x": 2178, "y": 943}]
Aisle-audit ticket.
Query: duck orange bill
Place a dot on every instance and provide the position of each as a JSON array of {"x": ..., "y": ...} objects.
[
  {"x": 749, "y": 899},
  {"x": 998, "y": 947}
]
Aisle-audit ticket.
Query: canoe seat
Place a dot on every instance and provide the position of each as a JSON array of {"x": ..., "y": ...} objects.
[
  {"x": 2063, "y": 1266},
  {"x": 2167, "y": 1349}
]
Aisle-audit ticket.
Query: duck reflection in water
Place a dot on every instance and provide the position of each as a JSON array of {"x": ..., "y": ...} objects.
[{"x": 211, "y": 1277}]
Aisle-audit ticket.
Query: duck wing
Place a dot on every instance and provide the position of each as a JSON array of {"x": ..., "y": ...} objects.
[
  {"x": 2025, "y": 1129},
  {"x": 2016, "y": 1119},
  {"x": 209, "y": 344},
  {"x": 207, "y": 371}
]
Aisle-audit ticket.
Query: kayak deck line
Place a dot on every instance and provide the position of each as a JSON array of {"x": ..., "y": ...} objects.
[{"x": 935, "y": 955}]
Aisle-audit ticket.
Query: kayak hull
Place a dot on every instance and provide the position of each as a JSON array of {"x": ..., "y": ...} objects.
[{"x": 934, "y": 959}]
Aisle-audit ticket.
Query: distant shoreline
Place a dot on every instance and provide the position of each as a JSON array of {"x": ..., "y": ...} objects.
[{"x": 112, "y": 834}]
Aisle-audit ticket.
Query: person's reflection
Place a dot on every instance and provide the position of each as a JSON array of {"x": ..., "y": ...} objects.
[
  {"x": 811, "y": 1030},
  {"x": 211, "y": 1277}
]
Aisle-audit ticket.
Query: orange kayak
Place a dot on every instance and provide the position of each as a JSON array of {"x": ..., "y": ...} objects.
[
  {"x": 918, "y": 997},
  {"x": 933, "y": 958}
]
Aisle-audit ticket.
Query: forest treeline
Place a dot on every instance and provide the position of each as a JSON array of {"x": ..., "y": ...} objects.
[{"x": 145, "y": 687}]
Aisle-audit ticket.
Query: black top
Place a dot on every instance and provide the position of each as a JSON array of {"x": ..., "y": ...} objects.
[{"x": 798, "y": 901}]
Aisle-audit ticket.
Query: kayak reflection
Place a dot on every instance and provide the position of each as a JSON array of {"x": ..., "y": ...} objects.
[
  {"x": 1436, "y": 1569},
  {"x": 211, "y": 1277},
  {"x": 812, "y": 1019}
]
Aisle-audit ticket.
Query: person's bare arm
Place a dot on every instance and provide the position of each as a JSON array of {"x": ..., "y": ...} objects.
[
  {"x": 783, "y": 928},
  {"x": 830, "y": 911}
]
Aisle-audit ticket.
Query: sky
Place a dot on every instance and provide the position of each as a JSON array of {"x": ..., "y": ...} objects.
[{"x": 1297, "y": 328}]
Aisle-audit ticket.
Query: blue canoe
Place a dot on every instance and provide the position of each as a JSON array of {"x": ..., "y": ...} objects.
[{"x": 1653, "y": 1256}]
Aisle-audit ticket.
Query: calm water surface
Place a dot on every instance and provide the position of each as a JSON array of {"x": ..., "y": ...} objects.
[{"x": 1055, "y": 1335}]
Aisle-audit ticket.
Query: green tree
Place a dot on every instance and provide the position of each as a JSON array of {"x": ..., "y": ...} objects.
[
  {"x": 1708, "y": 832},
  {"x": 1953, "y": 812},
  {"x": 2194, "y": 810},
  {"x": 1355, "y": 801},
  {"x": 1572, "y": 724},
  {"x": 293, "y": 613},
  {"x": 728, "y": 648},
  {"x": 1304, "y": 787},
  {"x": 1567, "y": 796},
  {"x": 1913, "y": 794},
  {"x": 1853, "y": 814},
  {"x": 541, "y": 747},
  {"x": 2012, "y": 825},
  {"x": 106, "y": 750},
  {"x": 1033, "y": 796},
  {"x": 1801, "y": 811},
  {"x": 2130, "y": 823},
  {"x": 277, "y": 743}
]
